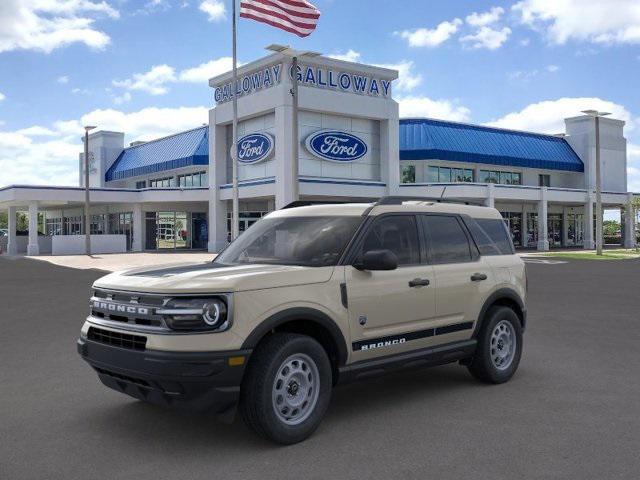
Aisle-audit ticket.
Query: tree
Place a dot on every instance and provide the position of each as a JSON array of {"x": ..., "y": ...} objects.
[{"x": 3, "y": 220}]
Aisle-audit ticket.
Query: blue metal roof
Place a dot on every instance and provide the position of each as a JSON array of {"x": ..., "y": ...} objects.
[
  {"x": 176, "y": 151},
  {"x": 426, "y": 139}
]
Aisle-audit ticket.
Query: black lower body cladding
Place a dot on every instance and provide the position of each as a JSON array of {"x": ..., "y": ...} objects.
[{"x": 196, "y": 381}]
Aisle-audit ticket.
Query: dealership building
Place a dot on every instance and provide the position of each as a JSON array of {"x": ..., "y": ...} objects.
[{"x": 175, "y": 193}]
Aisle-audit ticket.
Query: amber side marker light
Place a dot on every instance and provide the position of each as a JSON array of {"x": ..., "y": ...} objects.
[{"x": 236, "y": 361}]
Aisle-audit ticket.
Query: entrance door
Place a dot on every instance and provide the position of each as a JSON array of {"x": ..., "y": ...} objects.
[
  {"x": 554, "y": 229},
  {"x": 389, "y": 308}
]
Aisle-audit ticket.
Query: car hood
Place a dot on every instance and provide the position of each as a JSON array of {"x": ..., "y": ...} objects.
[{"x": 211, "y": 278}]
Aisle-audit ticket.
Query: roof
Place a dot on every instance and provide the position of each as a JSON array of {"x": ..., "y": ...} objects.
[
  {"x": 183, "y": 149},
  {"x": 422, "y": 139}
]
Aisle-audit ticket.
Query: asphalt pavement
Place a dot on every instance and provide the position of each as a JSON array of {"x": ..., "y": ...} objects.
[{"x": 572, "y": 410}]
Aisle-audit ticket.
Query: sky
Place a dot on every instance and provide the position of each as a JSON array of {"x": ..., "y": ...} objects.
[{"x": 141, "y": 66}]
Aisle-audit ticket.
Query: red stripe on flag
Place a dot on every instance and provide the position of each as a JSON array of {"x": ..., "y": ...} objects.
[
  {"x": 273, "y": 13},
  {"x": 274, "y": 24},
  {"x": 293, "y": 13}
]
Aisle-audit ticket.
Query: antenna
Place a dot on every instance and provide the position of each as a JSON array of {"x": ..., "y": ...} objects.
[{"x": 443, "y": 190}]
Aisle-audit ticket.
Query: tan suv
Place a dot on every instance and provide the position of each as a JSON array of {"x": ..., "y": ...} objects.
[{"x": 309, "y": 297}]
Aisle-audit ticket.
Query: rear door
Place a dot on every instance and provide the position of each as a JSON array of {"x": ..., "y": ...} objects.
[
  {"x": 462, "y": 277},
  {"x": 387, "y": 309}
]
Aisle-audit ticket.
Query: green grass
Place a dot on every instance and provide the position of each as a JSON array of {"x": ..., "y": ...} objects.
[{"x": 618, "y": 254}]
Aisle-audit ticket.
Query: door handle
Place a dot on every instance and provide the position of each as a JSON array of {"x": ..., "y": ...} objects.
[
  {"x": 419, "y": 282},
  {"x": 477, "y": 277}
]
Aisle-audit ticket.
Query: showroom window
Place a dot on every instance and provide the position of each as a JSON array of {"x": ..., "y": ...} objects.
[
  {"x": 504, "y": 178},
  {"x": 190, "y": 180},
  {"x": 448, "y": 174},
  {"x": 162, "y": 182},
  {"x": 408, "y": 174}
]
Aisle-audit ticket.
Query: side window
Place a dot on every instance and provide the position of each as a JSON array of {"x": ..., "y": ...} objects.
[
  {"x": 496, "y": 230},
  {"x": 448, "y": 243},
  {"x": 397, "y": 233}
]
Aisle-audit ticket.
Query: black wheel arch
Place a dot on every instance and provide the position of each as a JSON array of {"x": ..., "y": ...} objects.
[
  {"x": 505, "y": 297},
  {"x": 305, "y": 320}
]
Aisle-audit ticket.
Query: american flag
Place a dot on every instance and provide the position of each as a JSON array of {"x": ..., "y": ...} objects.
[{"x": 294, "y": 16}]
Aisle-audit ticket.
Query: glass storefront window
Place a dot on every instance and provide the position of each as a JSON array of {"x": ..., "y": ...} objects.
[
  {"x": 447, "y": 174},
  {"x": 176, "y": 230},
  {"x": 408, "y": 174},
  {"x": 554, "y": 229},
  {"x": 532, "y": 229},
  {"x": 575, "y": 229},
  {"x": 513, "y": 220},
  {"x": 504, "y": 178}
]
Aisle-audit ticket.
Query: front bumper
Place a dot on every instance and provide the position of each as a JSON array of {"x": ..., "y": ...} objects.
[{"x": 196, "y": 381}]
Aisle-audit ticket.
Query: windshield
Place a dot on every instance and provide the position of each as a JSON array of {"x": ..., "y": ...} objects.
[{"x": 306, "y": 241}]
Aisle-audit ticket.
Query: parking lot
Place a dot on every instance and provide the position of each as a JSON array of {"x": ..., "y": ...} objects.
[{"x": 571, "y": 411}]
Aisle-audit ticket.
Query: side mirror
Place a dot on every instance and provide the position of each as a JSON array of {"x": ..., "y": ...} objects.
[{"x": 378, "y": 260}]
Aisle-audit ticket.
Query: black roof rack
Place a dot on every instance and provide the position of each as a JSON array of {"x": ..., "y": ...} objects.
[
  {"x": 308, "y": 203},
  {"x": 399, "y": 200}
]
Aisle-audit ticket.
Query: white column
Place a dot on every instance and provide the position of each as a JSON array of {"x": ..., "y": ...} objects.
[
  {"x": 33, "y": 247},
  {"x": 629, "y": 224},
  {"x": 283, "y": 156},
  {"x": 218, "y": 209},
  {"x": 138, "y": 220},
  {"x": 490, "y": 200},
  {"x": 390, "y": 153},
  {"x": 12, "y": 245},
  {"x": 543, "y": 240},
  {"x": 589, "y": 242}
]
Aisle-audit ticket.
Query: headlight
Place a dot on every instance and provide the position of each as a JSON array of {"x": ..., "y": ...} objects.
[{"x": 196, "y": 314}]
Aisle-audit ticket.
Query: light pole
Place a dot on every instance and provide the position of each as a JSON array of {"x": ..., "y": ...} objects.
[
  {"x": 596, "y": 114},
  {"x": 87, "y": 217},
  {"x": 295, "y": 145}
]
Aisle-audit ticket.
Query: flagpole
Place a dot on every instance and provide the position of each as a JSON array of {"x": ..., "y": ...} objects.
[
  {"x": 295, "y": 191},
  {"x": 234, "y": 149}
]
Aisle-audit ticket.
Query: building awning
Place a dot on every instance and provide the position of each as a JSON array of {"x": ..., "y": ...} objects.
[
  {"x": 183, "y": 149},
  {"x": 427, "y": 139}
]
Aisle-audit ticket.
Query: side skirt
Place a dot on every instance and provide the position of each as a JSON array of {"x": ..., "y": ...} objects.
[{"x": 425, "y": 357}]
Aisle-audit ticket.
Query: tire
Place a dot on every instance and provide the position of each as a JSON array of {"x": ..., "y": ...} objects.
[
  {"x": 492, "y": 363},
  {"x": 287, "y": 372}
]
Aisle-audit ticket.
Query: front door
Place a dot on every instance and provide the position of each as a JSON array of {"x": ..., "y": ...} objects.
[{"x": 387, "y": 309}]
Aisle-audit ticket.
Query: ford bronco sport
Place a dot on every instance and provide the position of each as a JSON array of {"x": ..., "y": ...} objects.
[{"x": 309, "y": 297}]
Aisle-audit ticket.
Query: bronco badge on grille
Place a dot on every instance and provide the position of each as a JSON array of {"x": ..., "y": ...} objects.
[{"x": 119, "y": 307}]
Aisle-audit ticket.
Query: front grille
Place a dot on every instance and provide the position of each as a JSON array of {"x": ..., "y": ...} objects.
[
  {"x": 131, "y": 308},
  {"x": 117, "y": 339}
]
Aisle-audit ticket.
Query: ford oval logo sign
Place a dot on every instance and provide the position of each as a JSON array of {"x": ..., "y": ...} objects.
[
  {"x": 336, "y": 146},
  {"x": 255, "y": 147}
]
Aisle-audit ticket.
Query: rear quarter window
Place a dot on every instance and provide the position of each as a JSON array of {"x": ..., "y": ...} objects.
[{"x": 491, "y": 236}]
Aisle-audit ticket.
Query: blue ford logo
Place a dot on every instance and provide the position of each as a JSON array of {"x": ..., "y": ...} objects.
[
  {"x": 255, "y": 147},
  {"x": 336, "y": 146}
]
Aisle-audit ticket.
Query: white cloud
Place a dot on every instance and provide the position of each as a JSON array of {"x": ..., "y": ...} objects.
[
  {"x": 548, "y": 116},
  {"x": 486, "y": 18},
  {"x": 214, "y": 9},
  {"x": 349, "y": 56},
  {"x": 48, "y": 155},
  {"x": 2, "y": 96},
  {"x": 407, "y": 78},
  {"x": 552, "y": 68},
  {"x": 203, "y": 72},
  {"x": 45, "y": 25},
  {"x": 420, "y": 106},
  {"x": 154, "y": 81},
  {"x": 525, "y": 42},
  {"x": 63, "y": 79},
  {"x": 487, "y": 37},
  {"x": 120, "y": 99},
  {"x": 526, "y": 75},
  {"x": 424, "y": 37},
  {"x": 595, "y": 21}
]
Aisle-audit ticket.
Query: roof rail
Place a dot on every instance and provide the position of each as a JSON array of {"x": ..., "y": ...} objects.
[
  {"x": 398, "y": 200},
  {"x": 308, "y": 203}
]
